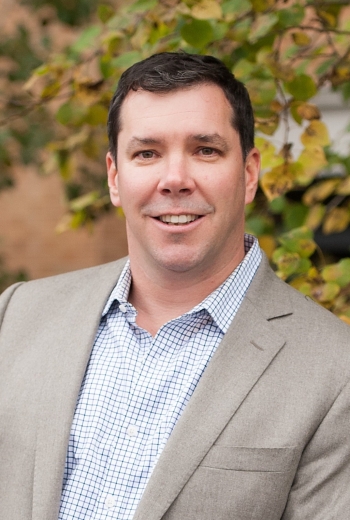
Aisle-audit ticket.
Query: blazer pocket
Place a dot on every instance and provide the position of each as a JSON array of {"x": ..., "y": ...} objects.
[{"x": 240, "y": 458}]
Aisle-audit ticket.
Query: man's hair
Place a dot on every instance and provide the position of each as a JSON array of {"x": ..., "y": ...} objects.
[{"x": 166, "y": 72}]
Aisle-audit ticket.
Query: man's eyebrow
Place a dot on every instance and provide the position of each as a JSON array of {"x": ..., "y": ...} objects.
[
  {"x": 214, "y": 139},
  {"x": 141, "y": 141}
]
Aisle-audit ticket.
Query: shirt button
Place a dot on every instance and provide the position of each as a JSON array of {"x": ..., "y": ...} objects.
[
  {"x": 110, "y": 501},
  {"x": 123, "y": 307},
  {"x": 132, "y": 431}
]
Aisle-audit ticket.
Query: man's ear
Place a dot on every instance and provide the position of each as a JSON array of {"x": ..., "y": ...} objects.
[
  {"x": 112, "y": 175},
  {"x": 252, "y": 171}
]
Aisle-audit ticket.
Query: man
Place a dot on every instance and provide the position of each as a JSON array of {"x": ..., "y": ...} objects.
[{"x": 189, "y": 382}]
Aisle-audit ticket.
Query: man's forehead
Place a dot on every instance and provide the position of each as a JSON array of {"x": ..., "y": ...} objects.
[
  {"x": 199, "y": 88},
  {"x": 142, "y": 103}
]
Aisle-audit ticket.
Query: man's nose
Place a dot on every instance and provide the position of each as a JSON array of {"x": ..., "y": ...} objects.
[{"x": 176, "y": 178}]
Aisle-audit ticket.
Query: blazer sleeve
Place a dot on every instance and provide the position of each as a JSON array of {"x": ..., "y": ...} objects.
[{"x": 321, "y": 488}]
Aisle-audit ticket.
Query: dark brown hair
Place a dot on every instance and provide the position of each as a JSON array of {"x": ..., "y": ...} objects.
[{"x": 169, "y": 71}]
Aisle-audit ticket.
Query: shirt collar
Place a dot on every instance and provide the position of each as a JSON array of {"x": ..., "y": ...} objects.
[
  {"x": 121, "y": 290},
  {"x": 223, "y": 303}
]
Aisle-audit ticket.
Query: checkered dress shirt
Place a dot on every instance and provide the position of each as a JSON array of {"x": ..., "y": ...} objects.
[{"x": 135, "y": 388}]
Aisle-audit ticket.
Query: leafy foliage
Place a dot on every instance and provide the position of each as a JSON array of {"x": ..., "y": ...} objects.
[{"x": 285, "y": 51}]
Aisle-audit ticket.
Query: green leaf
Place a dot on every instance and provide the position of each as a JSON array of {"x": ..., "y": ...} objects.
[
  {"x": 71, "y": 113},
  {"x": 325, "y": 66},
  {"x": 126, "y": 59},
  {"x": 262, "y": 5},
  {"x": 302, "y": 87},
  {"x": 299, "y": 240},
  {"x": 339, "y": 273},
  {"x": 105, "y": 12},
  {"x": 262, "y": 92},
  {"x": 87, "y": 39},
  {"x": 83, "y": 201},
  {"x": 142, "y": 6},
  {"x": 325, "y": 292},
  {"x": 289, "y": 264},
  {"x": 240, "y": 30},
  {"x": 236, "y": 7},
  {"x": 257, "y": 225},
  {"x": 243, "y": 70},
  {"x": 294, "y": 215},
  {"x": 277, "y": 205},
  {"x": 97, "y": 115},
  {"x": 292, "y": 16},
  {"x": 262, "y": 26},
  {"x": 197, "y": 33}
]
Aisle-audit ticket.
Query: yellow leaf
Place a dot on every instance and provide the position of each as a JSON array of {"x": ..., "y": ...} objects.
[
  {"x": 327, "y": 17},
  {"x": 51, "y": 90},
  {"x": 319, "y": 192},
  {"x": 336, "y": 221},
  {"x": 283, "y": 71},
  {"x": 269, "y": 159},
  {"x": 277, "y": 181},
  {"x": 64, "y": 224},
  {"x": 315, "y": 216},
  {"x": 344, "y": 187},
  {"x": 267, "y": 244},
  {"x": 267, "y": 126},
  {"x": 83, "y": 201},
  {"x": 302, "y": 285},
  {"x": 311, "y": 160},
  {"x": 345, "y": 318},
  {"x": 262, "y": 5},
  {"x": 313, "y": 273},
  {"x": 325, "y": 292},
  {"x": 141, "y": 36},
  {"x": 316, "y": 134},
  {"x": 308, "y": 111},
  {"x": 30, "y": 82},
  {"x": 301, "y": 38},
  {"x": 206, "y": 10},
  {"x": 75, "y": 140}
]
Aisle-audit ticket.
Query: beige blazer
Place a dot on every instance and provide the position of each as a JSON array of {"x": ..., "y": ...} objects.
[{"x": 265, "y": 436}]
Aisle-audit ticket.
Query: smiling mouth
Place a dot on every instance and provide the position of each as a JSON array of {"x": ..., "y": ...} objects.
[{"x": 178, "y": 219}]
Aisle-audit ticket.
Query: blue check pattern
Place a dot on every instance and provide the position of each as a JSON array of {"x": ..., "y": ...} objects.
[{"x": 135, "y": 388}]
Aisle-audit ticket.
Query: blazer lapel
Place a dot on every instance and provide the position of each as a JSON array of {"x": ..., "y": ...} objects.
[
  {"x": 240, "y": 360},
  {"x": 75, "y": 330}
]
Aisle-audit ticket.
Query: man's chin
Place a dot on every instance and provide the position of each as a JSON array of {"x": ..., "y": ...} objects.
[{"x": 178, "y": 263}]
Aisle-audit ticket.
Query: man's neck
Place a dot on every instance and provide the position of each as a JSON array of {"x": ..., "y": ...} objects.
[{"x": 160, "y": 297}]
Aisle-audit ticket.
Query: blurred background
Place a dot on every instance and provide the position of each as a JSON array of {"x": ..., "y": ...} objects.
[{"x": 33, "y": 202}]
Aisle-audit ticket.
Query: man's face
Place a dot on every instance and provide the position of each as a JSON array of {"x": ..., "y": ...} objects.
[{"x": 181, "y": 180}]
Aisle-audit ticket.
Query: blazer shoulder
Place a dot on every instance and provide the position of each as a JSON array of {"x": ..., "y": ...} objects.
[
  {"x": 111, "y": 270},
  {"x": 296, "y": 316},
  {"x": 70, "y": 291}
]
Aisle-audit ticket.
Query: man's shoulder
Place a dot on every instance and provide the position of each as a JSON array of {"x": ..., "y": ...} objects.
[
  {"x": 68, "y": 289},
  {"x": 293, "y": 312},
  {"x": 72, "y": 278}
]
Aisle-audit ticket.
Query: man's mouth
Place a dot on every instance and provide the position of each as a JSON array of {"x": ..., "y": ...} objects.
[{"x": 178, "y": 219}]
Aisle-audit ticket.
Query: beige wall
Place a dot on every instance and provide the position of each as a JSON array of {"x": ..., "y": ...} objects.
[{"x": 29, "y": 214}]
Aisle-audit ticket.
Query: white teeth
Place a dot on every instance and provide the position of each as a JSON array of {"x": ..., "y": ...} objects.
[{"x": 178, "y": 219}]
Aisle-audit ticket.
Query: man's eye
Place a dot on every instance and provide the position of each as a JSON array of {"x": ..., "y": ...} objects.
[
  {"x": 207, "y": 151},
  {"x": 147, "y": 154}
]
